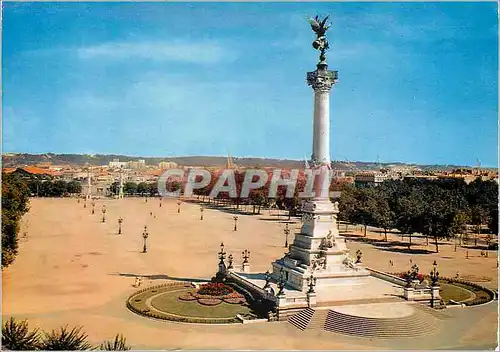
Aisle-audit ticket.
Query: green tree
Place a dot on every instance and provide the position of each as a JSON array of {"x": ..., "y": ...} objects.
[
  {"x": 347, "y": 204},
  {"x": 15, "y": 203},
  {"x": 59, "y": 188},
  {"x": 130, "y": 188},
  {"x": 382, "y": 214},
  {"x": 479, "y": 216},
  {"x": 365, "y": 207},
  {"x": 410, "y": 212},
  {"x": 459, "y": 223},
  {"x": 114, "y": 188},
  {"x": 142, "y": 188},
  {"x": 74, "y": 187},
  {"x": 17, "y": 337},
  {"x": 258, "y": 197}
]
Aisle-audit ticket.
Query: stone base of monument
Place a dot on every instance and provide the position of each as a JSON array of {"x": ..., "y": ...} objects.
[
  {"x": 338, "y": 275},
  {"x": 339, "y": 290}
]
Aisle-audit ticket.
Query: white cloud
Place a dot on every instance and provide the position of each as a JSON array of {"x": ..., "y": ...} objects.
[{"x": 177, "y": 51}]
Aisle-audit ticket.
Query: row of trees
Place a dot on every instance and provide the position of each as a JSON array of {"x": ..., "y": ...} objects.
[
  {"x": 16, "y": 336},
  {"x": 15, "y": 203},
  {"x": 53, "y": 188},
  {"x": 435, "y": 209},
  {"x": 258, "y": 197}
]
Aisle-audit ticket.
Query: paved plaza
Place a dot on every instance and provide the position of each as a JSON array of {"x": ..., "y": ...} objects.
[{"x": 73, "y": 269}]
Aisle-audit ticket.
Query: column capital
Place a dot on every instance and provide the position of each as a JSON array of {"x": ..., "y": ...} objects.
[{"x": 322, "y": 80}]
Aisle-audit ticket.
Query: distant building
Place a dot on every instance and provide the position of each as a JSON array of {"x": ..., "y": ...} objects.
[
  {"x": 139, "y": 164},
  {"x": 369, "y": 179},
  {"x": 167, "y": 165},
  {"x": 116, "y": 163}
]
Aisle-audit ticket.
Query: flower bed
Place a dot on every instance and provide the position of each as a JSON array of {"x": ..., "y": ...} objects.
[
  {"x": 206, "y": 299},
  {"x": 406, "y": 276},
  {"x": 209, "y": 301},
  {"x": 187, "y": 297},
  {"x": 234, "y": 300},
  {"x": 215, "y": 289}
]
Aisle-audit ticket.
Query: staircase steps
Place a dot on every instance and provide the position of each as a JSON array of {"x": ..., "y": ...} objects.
[
  {"x": 417, "y": 324},
  {"x": 318, "y": 319},
  {"x": 301, "y": 319},
  {"x": 437, "y": 313},
  {"x": 360, "y": 301}
]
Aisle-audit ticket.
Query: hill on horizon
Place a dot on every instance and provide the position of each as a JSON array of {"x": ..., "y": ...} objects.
[{"x": 18, "y": 159}]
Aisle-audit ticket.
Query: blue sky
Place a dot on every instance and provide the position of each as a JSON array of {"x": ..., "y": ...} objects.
[{"x": 418, "y": 82}]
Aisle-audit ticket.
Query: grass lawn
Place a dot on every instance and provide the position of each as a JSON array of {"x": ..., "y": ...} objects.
[
  {"x": 168, "y": 302},
  {"x": 454, "y": 292}
]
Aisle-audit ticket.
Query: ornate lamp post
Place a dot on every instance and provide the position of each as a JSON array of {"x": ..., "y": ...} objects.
[
  {"x": 178, "y": 206},
  {"x": 434, "y": 275},
  {"x": 222, "y": 254},
  {"x": 201, "y": 213},
  {"x": 93, "y": 207},
  {"x": 246, "y": 255},
  {"x": 287, "y": 232},
  {"x": 120, "y": 220},
  {"x": 311, "y": 282},
  {"x": 358, "y": 256},
  {"x": 268, "y": 280},
  {"x": 235, "y": 218},
  {"x": 103, "y": 213},
  {"x": 145, "y": 236},
  {"x": 281, "y": 283}
]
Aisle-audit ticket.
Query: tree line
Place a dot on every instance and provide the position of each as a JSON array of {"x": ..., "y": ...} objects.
[
  {"x": 258, "y": 197},
  {"x": 434, "y": 208},
  {"x": 15, "y": 203},
  {"x": 53, "y": 188}
]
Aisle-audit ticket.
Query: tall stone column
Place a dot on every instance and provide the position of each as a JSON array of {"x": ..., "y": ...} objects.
[
  {"x": 318, "y": 250},
  {"x": 321, "y": 81},
  {"x": 88, "y": 196},
  {"x": 120, "y": 186}
]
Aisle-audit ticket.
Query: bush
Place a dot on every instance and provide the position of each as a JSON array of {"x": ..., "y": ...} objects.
[
  {"x": 65, "y": 340},
  {"x": 118, "y": 344},
  {"x": 16, "y": 336}
]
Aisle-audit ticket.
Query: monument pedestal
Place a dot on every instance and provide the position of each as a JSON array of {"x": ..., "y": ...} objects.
[{"x": 320, "y": 251}]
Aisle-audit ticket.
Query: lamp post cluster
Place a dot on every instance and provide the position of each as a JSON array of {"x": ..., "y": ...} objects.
[
  {"x": 235, "y": 218},
  {"x": 311, "y": 282},
  {"x": 245, "y": 254},
  {"x": 268, "y": 280},
  {"x": 281, "y": 283},
  {"x": 287, "y": 232},
  {"x": 145, "y": 236},
  {"x": 434, "y": 275},
  {"x": 222, "y": 254},
  {"x": 120, "y": 220}
]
